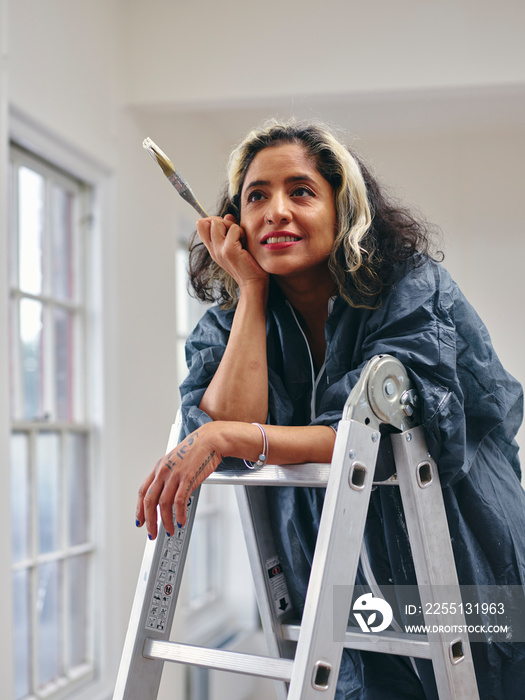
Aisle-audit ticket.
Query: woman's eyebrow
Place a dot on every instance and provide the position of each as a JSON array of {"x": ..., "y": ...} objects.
[
  {"x": 299, "y": 178},
  {"x": 257, "y": 183},
  {"x": 292, "y": 178}
]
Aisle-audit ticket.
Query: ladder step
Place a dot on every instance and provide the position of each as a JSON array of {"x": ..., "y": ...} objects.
[
  {"x": 219, "y": 659},
  {"x": 310, "y": 474},
  {"x": 400, "y": 643}
]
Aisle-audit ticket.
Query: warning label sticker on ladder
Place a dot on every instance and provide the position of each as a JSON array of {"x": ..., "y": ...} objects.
[
  {"x": 165, "y": 577},
  {"x": 278, "y": 587}
]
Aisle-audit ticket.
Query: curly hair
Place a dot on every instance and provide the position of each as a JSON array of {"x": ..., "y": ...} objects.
[{"x": 373, "y": 232}]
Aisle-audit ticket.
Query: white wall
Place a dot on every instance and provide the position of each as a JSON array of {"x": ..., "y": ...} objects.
[
  {"x": 192, "y": 52},
  {"x": 63, "y": 70}
]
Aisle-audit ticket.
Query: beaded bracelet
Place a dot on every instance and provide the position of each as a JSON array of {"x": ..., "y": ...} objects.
[{"x": 264, "y": 455}]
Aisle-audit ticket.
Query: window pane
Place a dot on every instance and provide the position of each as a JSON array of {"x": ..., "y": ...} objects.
[
  {"x": 180, "y": 359},
  {"x": 48, "y": 485},
  {"x": 78, "y": 607},
  {"x": 181, "y": 294},
  {"x": 31, "y": 228},
  {"x": 13, "y": 232},
  {"x": 31, "y": 333},
  {"x": 20, "y": 495},
  {"x": 62, "y": 213},
  {"x": 21, "y": 633},
  {"x": 48, "y": 609},
  {"x": 188, "y": 310},
  {"x": 64, "y": 364},
  {"x": 78, "y": 403},
  {"x": 15, "y": 390},
  {"x": 76, "y": 455}
]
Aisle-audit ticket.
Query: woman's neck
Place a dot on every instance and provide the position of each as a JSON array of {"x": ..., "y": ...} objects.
[
  {"x": 310, "y": 300},
  {"x": 308, "y": 294}
]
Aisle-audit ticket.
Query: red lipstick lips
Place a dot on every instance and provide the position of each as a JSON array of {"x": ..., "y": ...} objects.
[{"x": 276, "y": 240}]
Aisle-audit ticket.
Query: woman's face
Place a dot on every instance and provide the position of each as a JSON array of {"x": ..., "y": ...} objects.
[{"x": 288, "y": 212}]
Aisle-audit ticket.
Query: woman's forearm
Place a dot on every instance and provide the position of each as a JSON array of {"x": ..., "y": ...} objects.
[
  {"x": 239, "y": 389},
  {"x": 286, "y": 444}
]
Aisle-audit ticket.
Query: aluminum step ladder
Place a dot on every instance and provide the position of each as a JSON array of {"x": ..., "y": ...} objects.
[{"x": 304, "y": 659}]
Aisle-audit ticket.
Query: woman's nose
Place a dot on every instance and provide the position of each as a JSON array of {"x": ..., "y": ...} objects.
[{"x": 278, "y": 210}]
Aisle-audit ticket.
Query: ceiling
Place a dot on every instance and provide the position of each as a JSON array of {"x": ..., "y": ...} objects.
[{"x": 470, "y": 108}]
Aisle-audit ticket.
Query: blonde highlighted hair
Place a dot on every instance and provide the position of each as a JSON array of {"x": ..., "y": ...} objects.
[{"x": 371, "y": 232}]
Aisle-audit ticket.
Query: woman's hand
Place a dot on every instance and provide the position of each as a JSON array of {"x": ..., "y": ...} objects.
[
  {"x": 227, "y": 244},
  {"x": 174, "y": 479}
]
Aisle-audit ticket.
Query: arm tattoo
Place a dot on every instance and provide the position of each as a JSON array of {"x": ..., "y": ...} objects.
[
  {"x": 199, "y": 471},
  {"x": 189, "y": 440},
  {"x": 170, "y": 461}
]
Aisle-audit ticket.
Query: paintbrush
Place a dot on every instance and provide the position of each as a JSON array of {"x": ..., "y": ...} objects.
[{"x": 176, "y": 179}]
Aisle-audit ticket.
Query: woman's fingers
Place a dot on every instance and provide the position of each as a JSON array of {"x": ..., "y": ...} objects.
[
  {"x": 139, "y": 513},
  {"x": 174, "y": 479},
  {"x": 222, "y": 233},
  {"x": 227, "y": 245},
  {"x": 221, "y": 238},
  {"x": 224, "y": 240},
  {"x": 151, "y": 500},
  {"x": 166, "y": 500},
  {"x": 158, "y": 489},
  {"x": 213, "y": 230}
]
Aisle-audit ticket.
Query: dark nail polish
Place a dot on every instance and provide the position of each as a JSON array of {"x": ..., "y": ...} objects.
[
  {"x": 149, "y": 537},
  {"x": 137, "y": 523},
  {"x": 168, "y": 533},
  {"x": 179, "y": 525}
]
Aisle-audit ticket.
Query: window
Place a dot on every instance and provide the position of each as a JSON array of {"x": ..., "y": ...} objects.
[{"x": 52, "y": 548}]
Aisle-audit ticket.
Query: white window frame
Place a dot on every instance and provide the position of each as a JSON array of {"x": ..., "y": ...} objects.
[
  {"x": 48, "y": 423},
  {"x": 97, "y": 682}
]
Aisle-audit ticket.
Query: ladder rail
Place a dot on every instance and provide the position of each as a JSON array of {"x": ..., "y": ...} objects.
[
  {"x": 430, "y": 543},
  {"x": 324, "y": 620}
]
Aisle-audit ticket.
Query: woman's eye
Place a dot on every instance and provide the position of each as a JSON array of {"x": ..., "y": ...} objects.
[
  {"x": 254, "y": 196},
  {"x": 302, "y": 192}
]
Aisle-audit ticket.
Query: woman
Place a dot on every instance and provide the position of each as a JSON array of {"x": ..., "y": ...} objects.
[{"x": 316, "y": 272}]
